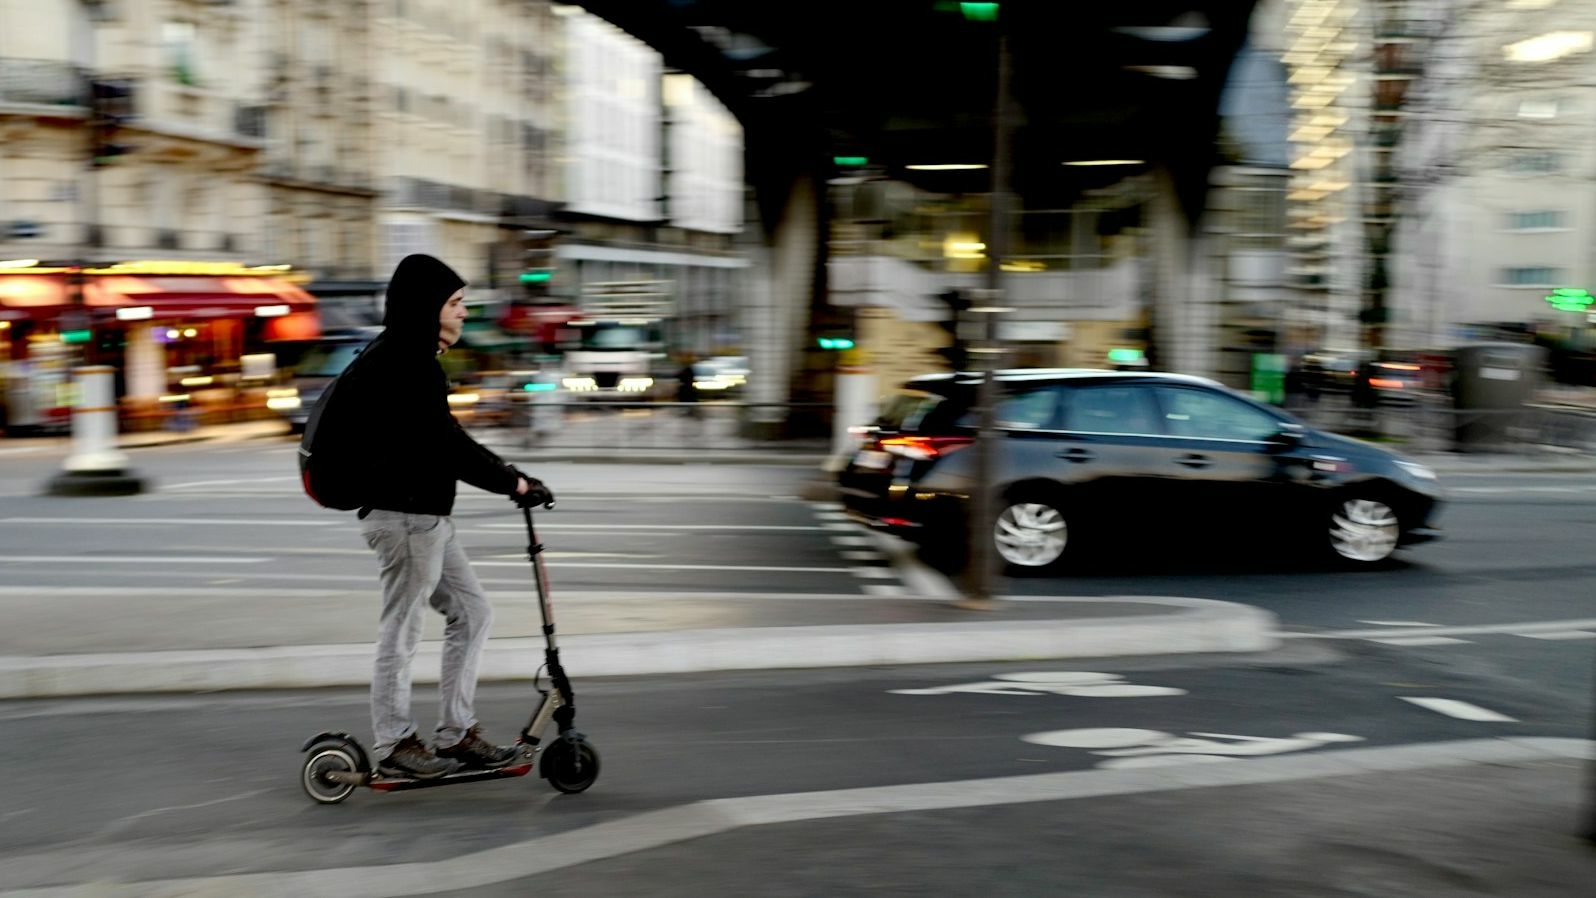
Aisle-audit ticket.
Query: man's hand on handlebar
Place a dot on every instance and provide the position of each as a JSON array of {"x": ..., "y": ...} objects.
[{"x": 530, "y": 492}]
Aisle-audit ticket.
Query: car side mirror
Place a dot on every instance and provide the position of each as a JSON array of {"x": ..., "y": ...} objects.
[{"x": 1288, "y": 437}]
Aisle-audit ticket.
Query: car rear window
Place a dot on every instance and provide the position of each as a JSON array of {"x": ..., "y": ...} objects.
[{"x": 916, "y": 411}]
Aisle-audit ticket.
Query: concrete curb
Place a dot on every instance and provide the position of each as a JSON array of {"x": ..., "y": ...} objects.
[{"x": 1192, "y": 625}]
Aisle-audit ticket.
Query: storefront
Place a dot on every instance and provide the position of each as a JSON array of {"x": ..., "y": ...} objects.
[{"x": 189, "y": 336}]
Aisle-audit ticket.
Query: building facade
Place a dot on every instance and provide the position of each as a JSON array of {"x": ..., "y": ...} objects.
[{"x": 1502, "y": 168}]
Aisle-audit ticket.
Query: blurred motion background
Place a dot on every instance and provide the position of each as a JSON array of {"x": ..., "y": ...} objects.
[{"x": 1337, "y": 206}]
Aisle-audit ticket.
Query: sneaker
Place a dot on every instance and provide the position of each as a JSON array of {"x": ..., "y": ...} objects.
[
  {"x": 475, "y": 751},
  {"x": 413, "y": 760}
]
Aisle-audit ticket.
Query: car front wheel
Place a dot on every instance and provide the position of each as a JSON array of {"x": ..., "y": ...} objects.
[
  {"x": 1364, "y": 530},
  {"x": 1030, "y": 533}
]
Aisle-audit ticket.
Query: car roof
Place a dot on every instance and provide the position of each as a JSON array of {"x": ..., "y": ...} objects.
[{"x": 1061, "y": 375}]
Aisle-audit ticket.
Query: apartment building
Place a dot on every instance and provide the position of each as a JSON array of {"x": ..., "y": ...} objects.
[
  {"x": 1502, "y": 168},
  {"x": 466, "y": 130},
  {"x": 652, "y": 168}
]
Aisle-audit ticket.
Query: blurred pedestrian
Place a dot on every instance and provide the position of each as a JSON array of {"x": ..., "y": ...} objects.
[
  {"x": 414, "y": 453},
  {"x": 687, "y": 386}
]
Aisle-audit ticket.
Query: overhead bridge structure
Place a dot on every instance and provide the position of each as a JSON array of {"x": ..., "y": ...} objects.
[{"x": 904, "y": 83}]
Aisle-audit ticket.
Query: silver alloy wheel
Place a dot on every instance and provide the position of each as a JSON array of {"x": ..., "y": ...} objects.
[
  {"x": 1030, "y": 534},
  {"x": 1364, "y": 530}
]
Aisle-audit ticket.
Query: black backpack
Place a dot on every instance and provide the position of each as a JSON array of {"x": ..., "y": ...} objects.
[{"x": 328, "y": 456}]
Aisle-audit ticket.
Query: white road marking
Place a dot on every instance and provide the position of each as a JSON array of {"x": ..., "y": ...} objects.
[
  {"x": 875, "y": 573},
  {"x": 1451, "y": 707},
  {"x": 1519, "y": 629},
  {"x": 1560, "y": 634},
  {"x": 1397, "y": 623},
  {"x": 655, "y": 829},
  {"x": 474, "y": 528},
  {"x": 739, "y": 527},
  {"x": 178, "y": 522},
  {"x": 852, "y": 541},
  {"x": 679, "y": 567},
  {"x": 233, "y": 482},
  {"x": 126, "y": 559},
  {"x": 1420, "y": 640},
  {"x": 882, "y": 590}
]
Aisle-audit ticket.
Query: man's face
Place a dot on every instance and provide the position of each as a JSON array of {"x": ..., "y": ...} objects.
[{"x": 451, "y": 319}]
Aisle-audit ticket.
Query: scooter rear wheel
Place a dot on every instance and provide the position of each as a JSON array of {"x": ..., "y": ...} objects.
[
  {"x": 570, "y": 764},
  {"x": 325, "y": 758}
]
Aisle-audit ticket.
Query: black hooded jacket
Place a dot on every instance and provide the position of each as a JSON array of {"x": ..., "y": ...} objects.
[{"x": 412, "y": 449}]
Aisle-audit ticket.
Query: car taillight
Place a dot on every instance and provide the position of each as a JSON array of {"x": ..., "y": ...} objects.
[{"x": 924, "y": 448}]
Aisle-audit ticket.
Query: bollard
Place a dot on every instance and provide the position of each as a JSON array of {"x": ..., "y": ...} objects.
[{"x": 95, "y": 466}]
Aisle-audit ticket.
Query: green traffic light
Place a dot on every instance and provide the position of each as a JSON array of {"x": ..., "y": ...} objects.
[
  {"x": 76, "y": 336},
  {"x": 834, "y": 343},
  {"x": 979, "y": 12},
  {"x": 850, "y": 161},
  {"x": 537, "y": 277}
]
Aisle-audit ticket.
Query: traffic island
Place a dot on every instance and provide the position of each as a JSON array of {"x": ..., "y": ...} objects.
[{"x": 95, "y": 467}]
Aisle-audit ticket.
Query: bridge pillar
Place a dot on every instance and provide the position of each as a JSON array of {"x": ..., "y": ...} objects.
[
  {"x": 1185, "y": 286},
  {"x": 783, "y": 285}
]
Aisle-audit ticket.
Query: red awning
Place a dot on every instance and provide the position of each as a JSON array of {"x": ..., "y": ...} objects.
[
  {"x": 32, "y": 295},
  {"x": 196, "y": 296}
]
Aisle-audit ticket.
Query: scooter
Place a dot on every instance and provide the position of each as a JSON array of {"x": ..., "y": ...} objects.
[{"x": 337, "y": 764}]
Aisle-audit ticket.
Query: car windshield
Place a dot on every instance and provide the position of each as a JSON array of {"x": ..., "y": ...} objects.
[{"x": 327, "y": 360}]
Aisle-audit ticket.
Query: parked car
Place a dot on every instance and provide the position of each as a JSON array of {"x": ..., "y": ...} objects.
[{"x": 1123, "y": 460}]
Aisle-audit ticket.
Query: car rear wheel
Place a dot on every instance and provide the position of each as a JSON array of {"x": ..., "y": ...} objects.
[
  {"x": 1364, "y": 530},
  {"x": 1030, "y": 533}
]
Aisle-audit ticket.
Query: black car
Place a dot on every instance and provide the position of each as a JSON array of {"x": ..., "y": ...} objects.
[{"x": 1123, "y": 461}]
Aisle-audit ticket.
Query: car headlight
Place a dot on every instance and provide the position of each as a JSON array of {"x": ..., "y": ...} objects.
[{"x": 1415, "y": 469}]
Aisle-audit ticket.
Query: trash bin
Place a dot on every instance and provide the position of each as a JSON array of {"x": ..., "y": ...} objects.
[{"x": 1491, "y": 384}]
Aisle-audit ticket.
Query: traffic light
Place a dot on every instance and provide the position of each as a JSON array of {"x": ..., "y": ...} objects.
[
  {"x": 956, "y": 353},
  {"x": 537, "y": 269},
  {"x": 110, "y": 109},
  {"x": 834, "y": 343}
]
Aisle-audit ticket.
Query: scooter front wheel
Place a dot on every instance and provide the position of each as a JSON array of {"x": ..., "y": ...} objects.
[
  {"x": 326, "y": 758},
  {"x": 570, "y": 763}
]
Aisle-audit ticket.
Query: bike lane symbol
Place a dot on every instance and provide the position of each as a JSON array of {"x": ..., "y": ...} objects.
[
  {"x": 1126, "y": 747},
  {"x": 1080, "y": 684}
]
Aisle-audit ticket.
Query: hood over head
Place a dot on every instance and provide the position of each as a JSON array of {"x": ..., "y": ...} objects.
[{"x": 417, "y": 291}]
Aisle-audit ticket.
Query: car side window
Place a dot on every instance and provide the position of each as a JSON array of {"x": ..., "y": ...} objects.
[
  {"x": 1034, "y": 409},
  {"x": 1207, "y": 415},
  {"x": 1111, "y": 408}
]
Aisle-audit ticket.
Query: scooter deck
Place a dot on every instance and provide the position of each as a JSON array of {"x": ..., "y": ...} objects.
[{"x": 398, "y": 784}]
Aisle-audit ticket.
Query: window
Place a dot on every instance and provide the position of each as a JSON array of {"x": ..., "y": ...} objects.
[
  {"x": 178, "y": 41},
  {"x": 1539, "y": 163},
  {"x": 1532, "y": 276},
  {"x": 1536, "y": 221},
  {"x": 1112, "y": 408},
  {"x": 1205, "y": 415},
  {"x": 1034, "y": 409},
  {"x": 1537, "y": 109}
]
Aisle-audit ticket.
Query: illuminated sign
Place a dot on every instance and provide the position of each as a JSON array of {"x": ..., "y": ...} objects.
[{"x": 1570, "y": 299}]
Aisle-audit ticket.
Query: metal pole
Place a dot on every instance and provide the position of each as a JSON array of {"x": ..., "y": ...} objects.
[
  {"x": 1588, "y": 825},
  {"x": 980, "y": 574}
]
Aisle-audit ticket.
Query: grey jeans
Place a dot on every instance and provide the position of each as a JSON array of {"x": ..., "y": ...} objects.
[{"x": 422, "y": 564}]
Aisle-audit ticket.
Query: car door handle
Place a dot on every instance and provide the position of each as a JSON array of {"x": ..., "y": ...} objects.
[
  {"x": 1075, "y": 454},
  {"x": 1194, "y": 461}
]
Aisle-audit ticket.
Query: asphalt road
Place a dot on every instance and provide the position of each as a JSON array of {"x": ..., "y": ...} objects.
[
  {"x": 131, "y": 789},
  {"x": 1487, "y": 633}
]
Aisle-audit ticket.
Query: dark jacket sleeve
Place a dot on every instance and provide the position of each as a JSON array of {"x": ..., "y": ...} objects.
[{"x": 475, "y": 464}]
